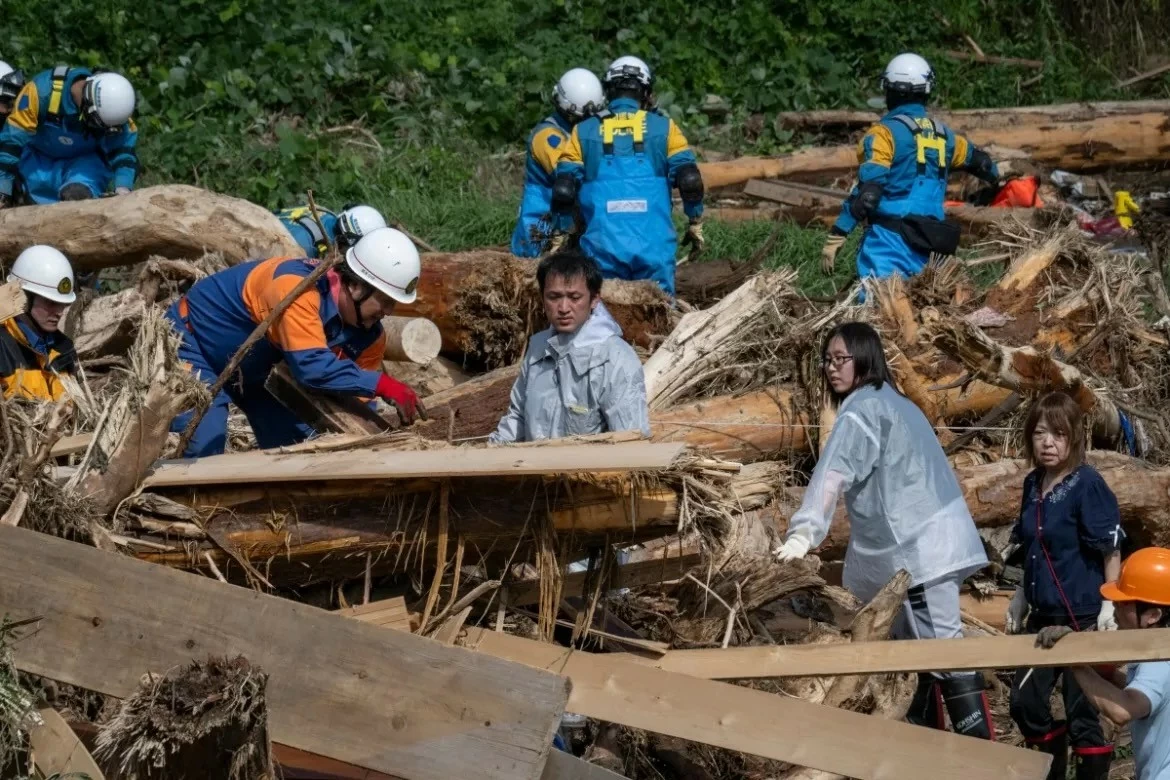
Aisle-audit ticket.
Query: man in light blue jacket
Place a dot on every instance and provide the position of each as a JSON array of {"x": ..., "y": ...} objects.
[{"x": 579, "y": 376}]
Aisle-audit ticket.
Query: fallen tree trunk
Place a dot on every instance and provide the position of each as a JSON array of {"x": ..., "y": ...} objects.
[
  {"x": 1125, "y": 139},
  {"x": 992, "y": 492},
  {"x": 486, "y": 305},
  {"x": 748, "y": 428},
  {"x": 976, "y": 221},
  {"x": 967, "y": 120},
  {"x": 174, "y": 220}
]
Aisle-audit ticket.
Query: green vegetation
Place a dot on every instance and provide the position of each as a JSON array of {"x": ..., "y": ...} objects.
[{"x": 422, "y": 108}]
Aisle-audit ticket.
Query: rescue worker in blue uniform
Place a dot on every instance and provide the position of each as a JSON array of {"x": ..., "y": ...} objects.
[
  {"x": 11, "y": 82},
  {"x": 577, "y": 95},
  {"x": 905, "y": 159},
  {"x": 331, "y": 337},
  {"x": 333, "y": 230},
  {"x": 621, "y": 165},
  {"x": 70, "y": 137}
]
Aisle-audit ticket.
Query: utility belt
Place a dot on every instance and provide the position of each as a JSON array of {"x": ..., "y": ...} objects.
[{"x": 925, "y": 235}]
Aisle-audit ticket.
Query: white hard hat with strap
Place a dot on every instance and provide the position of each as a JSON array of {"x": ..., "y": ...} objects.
[
  {"x": 388, "y": 261},
  {"x": 43, "y": 270}
]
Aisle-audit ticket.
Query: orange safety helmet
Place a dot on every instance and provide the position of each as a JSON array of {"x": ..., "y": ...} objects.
[{"x": 1145, "y": 576}]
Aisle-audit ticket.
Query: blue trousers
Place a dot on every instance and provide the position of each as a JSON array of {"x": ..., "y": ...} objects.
[
  {"x": 45, "y": 176},
  {"x": 885, "y": 253},
  {"x": 272, "y": 422}
]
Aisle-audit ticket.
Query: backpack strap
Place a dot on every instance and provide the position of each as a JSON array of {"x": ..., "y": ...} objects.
[{"x": 59, "y": 74}]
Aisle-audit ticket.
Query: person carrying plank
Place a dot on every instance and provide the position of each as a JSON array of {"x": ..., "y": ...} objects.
[
  {"x": 577, "y": 95},
  {"x": 902, "y": 182},
  {"x": 906, "y": 511},
  {"x": 1140, "y": 698},
  {"x": 320, "y": 232},
  {"x": 1069, "y": 532},
  {"x": 579, "y": 376},
  {"x": 331, "y": 336},
  {"x": 621, "y": 166},
  {"x": 70, "y": 137},
  {"x": 34, "y": 353}
]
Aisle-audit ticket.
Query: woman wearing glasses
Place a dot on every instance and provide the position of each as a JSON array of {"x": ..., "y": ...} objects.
[{"x": 906, "y": 511}]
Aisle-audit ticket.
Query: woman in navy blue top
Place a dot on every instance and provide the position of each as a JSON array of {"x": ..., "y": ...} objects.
[{"x": 1069, "y": 532}]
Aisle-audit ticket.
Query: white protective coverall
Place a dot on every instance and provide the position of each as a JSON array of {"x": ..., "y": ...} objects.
[
  {"x": 906, "y": 509},
  {"x": 574, "y": 384}
]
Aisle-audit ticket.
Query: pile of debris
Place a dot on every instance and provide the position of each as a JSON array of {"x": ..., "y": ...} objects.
[{"x": 645, "y": 551}]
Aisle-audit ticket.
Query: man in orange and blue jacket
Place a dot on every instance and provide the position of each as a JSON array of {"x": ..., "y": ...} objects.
[{"x": 331, "y": 337}]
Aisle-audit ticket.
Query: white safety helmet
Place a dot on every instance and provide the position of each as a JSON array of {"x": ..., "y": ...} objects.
[
  {"x": 356, "y": 221},
  {"x": 626, "y": 67},
  {"x": 11, "y": 82},
  {"x": 43, "y": 270},
  {"x": 908, "y": 73},
  {"x": 107, "y": 101},
  {"x": 578, "y": 94},
  {"x": 388, "y": 261}
]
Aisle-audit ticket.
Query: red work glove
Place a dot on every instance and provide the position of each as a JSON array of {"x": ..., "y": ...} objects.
[{"x": 402, "y": 397}]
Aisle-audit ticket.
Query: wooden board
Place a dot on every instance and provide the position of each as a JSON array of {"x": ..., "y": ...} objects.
[
  {"x": 56, "y": 749},
  {"x": 71, "y": 445},
  {"x": 388, "y": 613},
  {"x": 325, "y": 412},
  {"x": 562, "y": 766},
  {"x": 259, "y": 467},
  {"x": 384, "y": 700},
  {"x": 750, "y": 721},
  {"x": 12, "y": 300},
  {"x": 914, "y": 655}
]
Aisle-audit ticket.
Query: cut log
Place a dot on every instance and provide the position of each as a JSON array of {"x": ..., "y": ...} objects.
[
  {"x": 326, "y": 413},
  {"x": 743, "y": 719},
  {"x": 486, "y": 305},
  {"x": 173, "y": 220},
  {"x": 992, "y": 492},
  {"x": 1101, "y": 142},
  {"x": 967, "y": 120},
  {"x": 818, "y": 160},
  {"x": 385, "y": 700},
  {"x": 412, "y": 339},
  {"x": 748, "y": 428},
  {"x": 470, "y": 410}
]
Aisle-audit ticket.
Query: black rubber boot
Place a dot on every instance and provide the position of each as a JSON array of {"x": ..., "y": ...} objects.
[
  {"x": 966, "y": 703},
  {"x": 926, "y": 709},
  {"x": 1093, "y": 763},
  {"x": 1055, "y": 744}
]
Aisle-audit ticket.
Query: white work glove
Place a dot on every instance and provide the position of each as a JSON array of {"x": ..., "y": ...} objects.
[
  {"x": 793, "y": 547},
  {"x": 121, "y": 190},
  {"x": 833, "y": 244},
  {"x": 1105, "y": 621},
  {"x": 1017, "y": 611}
]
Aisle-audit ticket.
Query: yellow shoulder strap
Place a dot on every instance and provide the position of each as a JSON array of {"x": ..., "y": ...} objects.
[
  {"x": 624, "y": 124},
  {"x": 59, "y": 74}
]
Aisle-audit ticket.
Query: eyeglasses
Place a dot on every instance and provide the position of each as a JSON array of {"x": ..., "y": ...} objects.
[{"x": 836, "y": 361}]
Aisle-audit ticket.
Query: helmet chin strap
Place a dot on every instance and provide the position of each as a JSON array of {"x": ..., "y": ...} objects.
[{"x": 357, "y": 305}]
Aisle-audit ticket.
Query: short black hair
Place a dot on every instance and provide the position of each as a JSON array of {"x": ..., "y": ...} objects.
[
  {"x": 570, "y": 263},
  {"x": 869, "y": 359},
  {"x": 900, "y": 97}
]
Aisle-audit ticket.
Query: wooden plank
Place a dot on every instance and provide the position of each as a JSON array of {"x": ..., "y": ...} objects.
[
  {"x": 914, "y": 655},
  {"x": 383, "y": 700},
  {"x": 563, "y": 766},
  {"x": 71, "y": 445},
  {"x": 388, "y": 613},
  {"x": 324, "y": 412},
  {"x": 630, "y": 575},
  {"x": 751, "y": 721},
  {"x": 12, "y": 300},
  {"x": 789, "y": 195},
  {"x": 56, "y": 749},
  {"x": 253, "y": 467}
]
